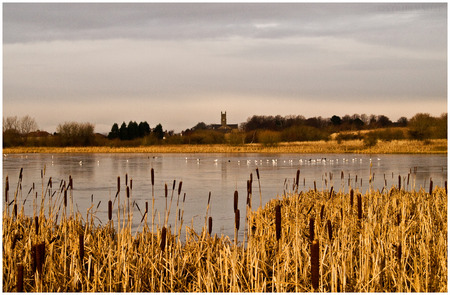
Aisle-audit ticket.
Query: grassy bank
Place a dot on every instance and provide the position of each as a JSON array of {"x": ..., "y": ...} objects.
[
  {"x": 327, "y": 241},
  {"x": 354, "y": 146}
]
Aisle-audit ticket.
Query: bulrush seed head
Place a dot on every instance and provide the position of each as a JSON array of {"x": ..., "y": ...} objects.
[
  {"x": 278, "y": 221},
  {"x": 315, "y": 259}
]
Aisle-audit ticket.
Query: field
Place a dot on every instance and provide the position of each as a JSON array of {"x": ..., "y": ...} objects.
[
  {"x": 351, "y": 146},
  {"x": 336, "y": 240}
]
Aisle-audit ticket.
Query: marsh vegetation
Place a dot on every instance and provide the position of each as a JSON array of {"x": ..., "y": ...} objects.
[{"x": 338, "y": 240}]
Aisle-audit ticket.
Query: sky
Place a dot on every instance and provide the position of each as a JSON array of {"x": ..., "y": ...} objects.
[{"x": 180, "y": 64}]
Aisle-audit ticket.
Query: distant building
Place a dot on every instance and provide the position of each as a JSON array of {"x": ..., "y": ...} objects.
[{"x": 223, "y": 126}]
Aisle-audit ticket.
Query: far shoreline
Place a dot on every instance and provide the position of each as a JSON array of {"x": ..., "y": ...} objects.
[{"x": 436, "y": 146}]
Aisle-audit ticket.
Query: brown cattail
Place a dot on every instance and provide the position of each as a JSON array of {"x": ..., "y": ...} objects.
[
  {"x": 431, "y": 186},
  {"x": 236, "y": 198},
  {"x": 351, "y": 198},
  {"x": 118, "y": 183},
  {"x": 330, "y": 230},
  {"x": 322, "y": 211},
  {"x": 40, "y": 256},
  {"x": 81, "y": 246},
  {"x": 342, "y": 174},
  {"x": 210, "y": 225},
  {"x": 173, "y": 184},
  {"x": 109, "y": 210},
  {"x": 131, "y": 183},
  {"x": 315, "y": 189},
  {"x": 163, "y": 238},
  {"x": 399, "y": 252},
  {"x": 152, "y": 172},
  {"x": 15, "y": 210},
  {"x": 165, "y": 190},
  {"x": 19, "y": 278},
  {"x": 278, "y": 221},
  {"x": 359, "y": 200},
  {"x": 209, "y": 197},
  {"x": 315, "y": 264},
  {"x": 257, "y": 172},
  {"x": 126, "y": 179},
  {"x": 179, "y": 187},
  {"x": 311, "y": 229},
  {"x": 251, "y": 178},
  {"x": 65, "y": 198},
  {"x": 297, "y": 177},
  {"x": 146, "y": 207},
  {"x": 70, "y": 182},
  {"x": 237, "y": 219},
  {"x": 399, "y": 182},
  {"x": 128, "y": 192},
  {"x": 36, "y": 224},
  {"x": 20, "y": 174},
  {"x": 331, "y": 192}
]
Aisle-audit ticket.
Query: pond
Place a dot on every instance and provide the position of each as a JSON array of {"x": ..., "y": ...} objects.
[{"x": 95, "y": 178}]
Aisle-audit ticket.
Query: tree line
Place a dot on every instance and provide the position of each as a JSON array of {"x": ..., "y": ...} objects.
[{"x": 268, "y": 130}]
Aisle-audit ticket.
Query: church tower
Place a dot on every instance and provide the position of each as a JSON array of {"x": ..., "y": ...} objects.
[{"x": 223, "y": 119}]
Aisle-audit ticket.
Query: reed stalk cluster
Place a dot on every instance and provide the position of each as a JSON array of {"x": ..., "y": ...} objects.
[{"x": 302, "y": 241}]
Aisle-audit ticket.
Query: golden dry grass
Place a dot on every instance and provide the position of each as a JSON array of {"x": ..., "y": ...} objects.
[
  {"x": 396, "y": 243},
  {"x": 352, "y": 146}
]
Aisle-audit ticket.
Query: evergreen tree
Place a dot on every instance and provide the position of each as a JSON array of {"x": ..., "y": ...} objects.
[
  {"x": 158, "y": 131},
  {"x": 144, "y": 129},
  {"x": 133, "y": 130},
  {"x": 114, "y": 132},
  {"x": 123, "y": 132}
]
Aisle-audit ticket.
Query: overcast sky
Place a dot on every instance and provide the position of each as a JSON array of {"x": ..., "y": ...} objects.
[{"x": 180, "y": 64}]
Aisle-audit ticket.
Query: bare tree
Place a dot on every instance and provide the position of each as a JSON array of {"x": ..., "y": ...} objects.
[{"x": 27, "y": 125}]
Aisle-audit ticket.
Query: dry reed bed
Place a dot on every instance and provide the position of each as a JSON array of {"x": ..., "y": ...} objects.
[
  {"x": 332, "y": 146},
  {"x": 302, "y": 241}
]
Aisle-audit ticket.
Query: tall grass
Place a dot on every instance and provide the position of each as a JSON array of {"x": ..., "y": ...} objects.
[{"x": 394, "y": 240}]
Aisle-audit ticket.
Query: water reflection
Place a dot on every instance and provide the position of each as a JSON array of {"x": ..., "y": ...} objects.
[{"x": 95, "y": 178}]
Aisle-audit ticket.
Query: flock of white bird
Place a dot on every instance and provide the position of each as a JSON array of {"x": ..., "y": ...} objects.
[{"x": 274, "y": 162}]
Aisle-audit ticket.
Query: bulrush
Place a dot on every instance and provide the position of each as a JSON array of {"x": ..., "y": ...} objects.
[
  {"x": 118, "y": 183},
  {"x": 109, "y": 210},
  {"x": 237, "y": 219},
  {"x": 431, "y": 186},
  {"x": 36, "y": 224},
  {"x": 311, "y": 229},
  {"x": 163, "y": 238},
  {"x": 297, "y": 177},
  {"x": 81, "y": 247},
  {"x": 322, "y": 211},
  {"x": 152, "y": 173},
  {"x": 40, "y": 257},
  {"x": 278, "y": 221},
  {"x": 19, "y": 278},
  {"x": 315, "y": 259},
  {"x": 210, "y": 221},
  {"x": 359, "y": 200},
  {"x": 236, "y": 198},
  {"x": 179, "y": 187},
  {"x": 65, "y": 198},
  {"x": 399, "y": 182},
  {"x": 330, "y": 230}
]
